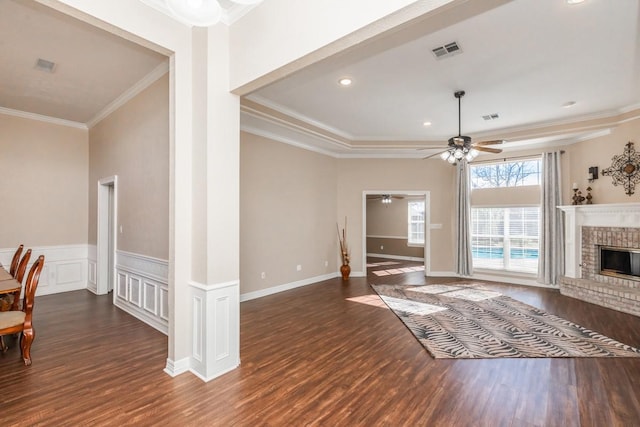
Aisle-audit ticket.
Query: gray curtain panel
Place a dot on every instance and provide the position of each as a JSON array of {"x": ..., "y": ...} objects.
[
  {"x": 551, "y": 258},
  {"x": 463, "y": 259}
]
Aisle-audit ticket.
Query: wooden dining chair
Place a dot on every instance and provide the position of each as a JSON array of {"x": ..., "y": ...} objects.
[
  {"x": 15, "y": 260},
  {"x": 22, "y": 268},
  {"x": 13, "y": 322}
]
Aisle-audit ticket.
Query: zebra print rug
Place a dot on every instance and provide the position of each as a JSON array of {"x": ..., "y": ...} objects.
[{"x": 468, "y": 321}]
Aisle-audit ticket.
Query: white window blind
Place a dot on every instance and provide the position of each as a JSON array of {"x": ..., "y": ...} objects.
[{"x": 416, "y": 223}]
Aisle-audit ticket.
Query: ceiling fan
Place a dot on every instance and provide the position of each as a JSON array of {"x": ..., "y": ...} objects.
[
  {"x": 386, "y": 198},
  {"x": 461, "y": 146}
]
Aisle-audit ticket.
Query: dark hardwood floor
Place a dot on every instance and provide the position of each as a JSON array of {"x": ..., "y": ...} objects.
[{"x": 326, "y": 354}]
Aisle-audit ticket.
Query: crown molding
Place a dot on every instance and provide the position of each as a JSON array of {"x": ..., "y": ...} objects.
[
  {"x": 301, "y": 117},
  {"x": 130, "y": 93},
  {"x": 42, "y": 118}
]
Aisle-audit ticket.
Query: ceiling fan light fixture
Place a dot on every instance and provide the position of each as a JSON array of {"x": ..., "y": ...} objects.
[
  {"x": 445, "y": 155},
  {"x": 200, "y": 13},
  {"x": 386, "y": 199}
]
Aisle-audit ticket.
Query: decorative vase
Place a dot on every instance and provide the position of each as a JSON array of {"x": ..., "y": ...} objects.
[{"x": 345, "y": 270}]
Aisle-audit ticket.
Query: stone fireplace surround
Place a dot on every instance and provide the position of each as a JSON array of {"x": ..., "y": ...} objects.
[{"x": 586, "y": 228}]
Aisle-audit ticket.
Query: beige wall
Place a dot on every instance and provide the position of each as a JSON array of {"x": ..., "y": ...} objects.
[
  {"x": 133, "y": 143},
  {"x": 358, "y": 175},
  {"x": 599, "y": 152},
  {"x": 44, "y": 183},
  {"x": 287, "y": 214}
]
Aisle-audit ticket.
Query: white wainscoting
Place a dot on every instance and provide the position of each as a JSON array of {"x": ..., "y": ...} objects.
[
  {"x": 92, "y": 263},
  {"x": 65, "y": 267},
  {"x": 216, "y": 329},
  {"x": 142, "y": 288}
]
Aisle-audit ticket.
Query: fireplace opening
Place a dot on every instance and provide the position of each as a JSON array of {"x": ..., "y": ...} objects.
[{"x": 620, "y": 262}]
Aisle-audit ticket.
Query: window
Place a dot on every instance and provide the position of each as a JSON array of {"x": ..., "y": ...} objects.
[
  {"x": 416, "y": 223},
  {"x": 505, "y": 238},
  {"x": 505, "y": 174}
]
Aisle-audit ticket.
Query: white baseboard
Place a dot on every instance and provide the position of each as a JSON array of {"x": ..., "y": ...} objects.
[
  {"x": 442, "y": 274},
  {"x": 177, "y": 367},
  {"x": 142, "y": 288},
  {"x": 510, "y": 278},
  {"x": 399, "y": 257},
  {"x": 287, "y": 286}
]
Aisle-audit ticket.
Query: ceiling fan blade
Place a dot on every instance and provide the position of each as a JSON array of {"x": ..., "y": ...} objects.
[
  {"x": 433, "y": 155},
  {"x": 442, "y": 147},
  {"x": 397, "y": 197},
  {"x": 493, "y": 142},
  {"x": 489, "y": 150}
]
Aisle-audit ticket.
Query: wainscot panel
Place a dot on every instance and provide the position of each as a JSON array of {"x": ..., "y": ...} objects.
[
  {"x": 65, "y": 267},
  {"x": 142, "y": 288}
]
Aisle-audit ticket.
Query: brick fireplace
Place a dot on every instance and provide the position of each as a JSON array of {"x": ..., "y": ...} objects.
[{"x": 588, "y": 228}]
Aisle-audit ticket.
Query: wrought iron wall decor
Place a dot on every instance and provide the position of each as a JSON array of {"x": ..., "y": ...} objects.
[{"x": 625, "y": 169}]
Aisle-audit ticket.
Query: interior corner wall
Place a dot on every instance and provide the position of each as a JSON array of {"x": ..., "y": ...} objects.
[
  {"x": 133, "y": 143},
  {"x": 358, "y": 175},
  {"x": 599, "y": 152},
  {"x": 44, "y": 185},
  {"x": 287, "y": 214}
]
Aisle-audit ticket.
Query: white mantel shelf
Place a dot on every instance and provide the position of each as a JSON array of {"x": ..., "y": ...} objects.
[{"x": 600, "y": 215}]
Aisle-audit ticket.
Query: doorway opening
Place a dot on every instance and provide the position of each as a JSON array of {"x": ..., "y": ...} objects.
[
  {"x": 390, "y": 236},
  {"x": 107, "y": 236}
]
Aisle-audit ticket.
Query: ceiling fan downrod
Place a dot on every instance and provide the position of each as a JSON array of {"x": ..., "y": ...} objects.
[{"x": 459, "y": 94}]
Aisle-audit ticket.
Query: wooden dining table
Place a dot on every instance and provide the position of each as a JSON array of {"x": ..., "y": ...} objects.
[{"x": 9, "y": 285}]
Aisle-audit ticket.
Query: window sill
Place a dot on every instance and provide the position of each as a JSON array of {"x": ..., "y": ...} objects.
[
  {"x": 416, "y": 245},
  {"x": 511, "y": 273}
]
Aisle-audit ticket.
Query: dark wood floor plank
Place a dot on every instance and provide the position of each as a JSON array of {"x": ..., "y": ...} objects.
[{"x": 325, "y": 354}]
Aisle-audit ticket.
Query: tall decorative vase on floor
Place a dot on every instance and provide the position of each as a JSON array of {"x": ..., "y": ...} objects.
[{"x": 345, "y": 269}]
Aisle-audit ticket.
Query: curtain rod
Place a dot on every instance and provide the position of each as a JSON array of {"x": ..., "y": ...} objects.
[{"x": 504, "y": 159}]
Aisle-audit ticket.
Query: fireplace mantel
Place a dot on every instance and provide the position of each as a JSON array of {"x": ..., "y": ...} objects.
[{"x": 602, "y": 215}]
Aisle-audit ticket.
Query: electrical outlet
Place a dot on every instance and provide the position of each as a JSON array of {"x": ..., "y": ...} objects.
[
  {"x": 299, "y": 267},
  {"x": 263, "y": 275},
  {"x": 326, "y": 263},
  {"x": 381, "y": 247}
]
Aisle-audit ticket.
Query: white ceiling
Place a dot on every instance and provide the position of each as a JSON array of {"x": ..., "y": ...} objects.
[
  {"x": 523, "y": 60},
  {"x": 93, "y": 67}
]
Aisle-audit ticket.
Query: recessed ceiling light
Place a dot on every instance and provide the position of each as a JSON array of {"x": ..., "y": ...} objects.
[
  {"x": 426, "y": 124},
  {"x": 569, "y": 104},
  {"x": 574, "y": 1},
  {"x": 345, "y": 81}
]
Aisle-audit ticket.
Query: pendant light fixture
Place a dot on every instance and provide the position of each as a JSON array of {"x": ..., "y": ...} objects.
[{"x": 200, "y": 13}]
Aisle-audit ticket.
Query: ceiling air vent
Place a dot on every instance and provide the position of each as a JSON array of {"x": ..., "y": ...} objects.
[
  {"x": 491, "y": 116},
  {"x": 447, "y": 50},
  {"x": 44, "y": 65}
]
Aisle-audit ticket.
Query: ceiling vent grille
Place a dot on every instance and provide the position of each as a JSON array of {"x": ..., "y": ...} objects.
[
  {"x": 493, "y": 116},
  {"x": 44, "y": 65},
  {"x": 447, "y": 50}
]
